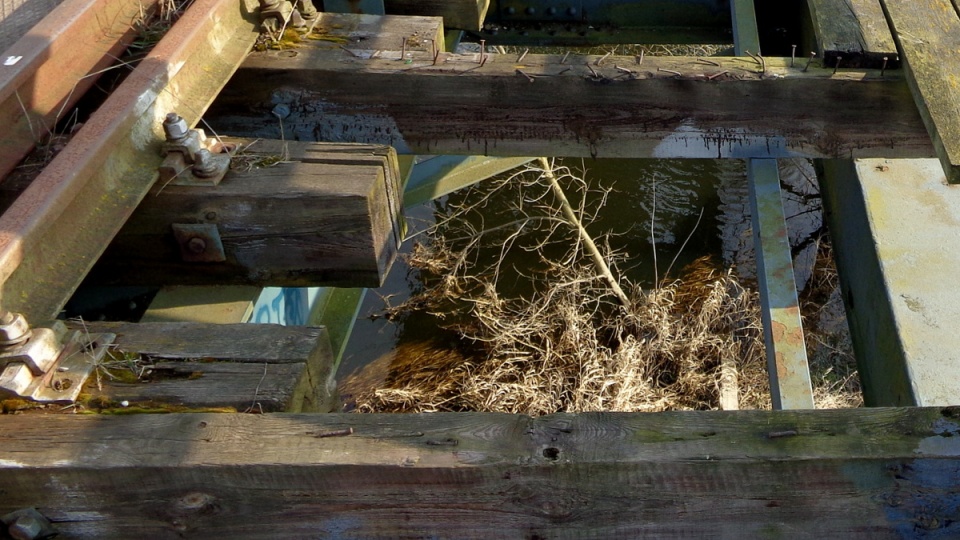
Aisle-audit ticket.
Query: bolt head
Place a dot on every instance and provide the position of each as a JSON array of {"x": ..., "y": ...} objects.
[
  {"x": 196, "y": 245},
  {"x": 203, "y": 164},
  {"x": 530, "y": 10}
]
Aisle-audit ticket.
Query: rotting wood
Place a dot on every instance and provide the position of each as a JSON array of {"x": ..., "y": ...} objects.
[
  {"x": 466, "y": 104},
  {"x": 460, "y": 14},
  {"x": 854, "y": 30},
  {"x": 927, "y": 33},
  {"x": 858, "y": 473},
  {"x": 304, "y": 215},
  {"x": 254, "y": 367},
  {"x": 49, "y": 75},
  {"x": 53, "y": 233}
]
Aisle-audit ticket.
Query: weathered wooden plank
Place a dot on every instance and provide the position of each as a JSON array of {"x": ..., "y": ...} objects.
[
  {"x": 927, "y": 33},
  {"x": 468, "y": 105},
  {"x": 460, "y": 14},
  {"x": 258, "y": 366},
  {"x": 862, "y": 473},
  {"x": 854, "y": 30},
  {"x": 298, "y": 215}
]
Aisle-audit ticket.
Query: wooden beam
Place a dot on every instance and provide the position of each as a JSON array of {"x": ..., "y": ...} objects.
[
  {"x": 853, "y": 30},
  {"x": 858, "y": 473},
  {"x": 927, "y": 33},
  {"x": 460, "y": 106},
  {"x": 459, "y": 14},
  {"x": 289, "y": 214},
  {"x": 252, "y": 367}
]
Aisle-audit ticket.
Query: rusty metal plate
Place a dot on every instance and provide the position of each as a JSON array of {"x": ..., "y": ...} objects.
[{"x": 199, "y": 242}]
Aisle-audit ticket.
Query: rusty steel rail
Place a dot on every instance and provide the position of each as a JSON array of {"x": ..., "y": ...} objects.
[
  {"x": 44, "y": 73},
  {"x": 54, "y": 232}
]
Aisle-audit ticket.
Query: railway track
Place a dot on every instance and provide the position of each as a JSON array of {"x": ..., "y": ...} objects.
[{"x": 92, "y": 185}]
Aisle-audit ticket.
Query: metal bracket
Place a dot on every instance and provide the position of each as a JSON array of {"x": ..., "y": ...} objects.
[
  {"x": 199, "y": 242},
  {"x": 42, "y": 369},
  {"x": 276, "y": 14},
  {"x": 190, "y": 157}
]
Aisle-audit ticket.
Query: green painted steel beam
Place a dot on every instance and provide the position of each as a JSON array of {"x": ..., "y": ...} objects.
[
  {"x": 337, "y": 310},
  {"x": 746, "y": 37},
  {"x": 440, "y": 175},
  {"x": 786, "y": 351},
  {"x": 780, "y": 309}
]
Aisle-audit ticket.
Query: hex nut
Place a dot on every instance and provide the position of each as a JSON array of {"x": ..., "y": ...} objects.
[
  {"x": 25, "y": 528},
  {"x": 14, "y": 330},
  {"x": 175, "y": 127}
]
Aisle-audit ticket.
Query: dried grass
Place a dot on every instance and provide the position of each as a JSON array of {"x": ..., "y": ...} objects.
[{"x": 569, "y": 345}]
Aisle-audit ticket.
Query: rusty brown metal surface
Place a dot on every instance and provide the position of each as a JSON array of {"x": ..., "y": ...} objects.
[
  {"x": 57, "y": 228},
  {"x": 52, "y": 66}
]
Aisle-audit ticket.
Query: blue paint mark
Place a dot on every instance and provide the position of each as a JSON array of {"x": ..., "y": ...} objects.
[
  {"x": 925, "y": 499},
  {"x": 289, "y": 306}
]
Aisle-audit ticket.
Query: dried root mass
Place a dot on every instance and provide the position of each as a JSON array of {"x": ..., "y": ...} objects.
[{"x": 571, "y": 345}]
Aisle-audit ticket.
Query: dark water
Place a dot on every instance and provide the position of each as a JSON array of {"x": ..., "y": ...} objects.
[{"x": 654, "y": 208}]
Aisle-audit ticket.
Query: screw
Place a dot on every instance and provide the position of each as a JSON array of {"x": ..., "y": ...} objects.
[
  {"x": 793, "y": 54},
  {"x": 483, "y": 45},
  {"x": 884, "y": 66},
  {"x": 196, "y": 245},
  {"x": 809, "y": 61},
  {"x": 25, "y": 528},
  {"x": 175, "y": 127},
  {"x": 836, "y": 67},
  {"x": 203, "y": 165},
  {"x": 211, "y": 216}
]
